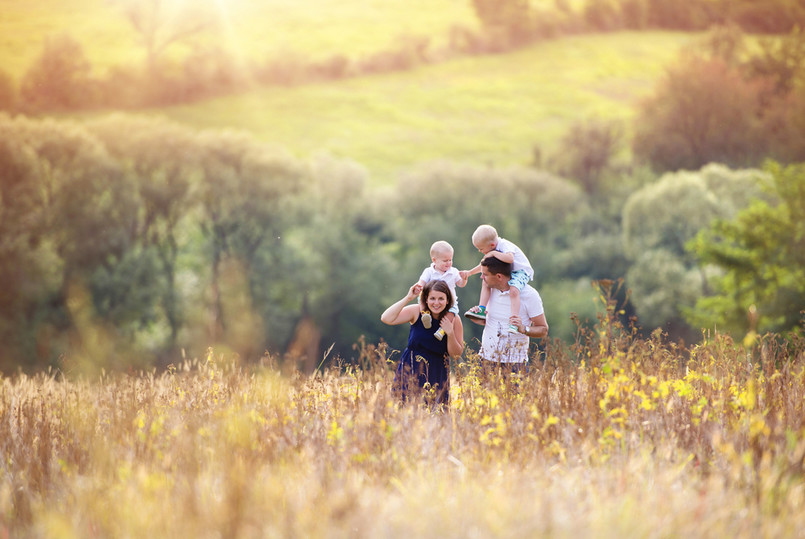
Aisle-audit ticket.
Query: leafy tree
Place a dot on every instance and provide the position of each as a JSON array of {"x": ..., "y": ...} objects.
[
  {"x": 781, "y": 60},
  {"x": 761, "y": 253},
  {"x": 347, "y": 272},
  {"x": 162, "y": 23},
  {"x": 447, "y": 201},
  {"x": 513, "y": 17},
  {"x": 23, "y": 268},
  {"x": 691, "y": 121},
  {"x": 76, "y": 213},
  {"x": 587, "y": 151},
  {"x": 662, "y": 284},
  {"x": 658, "y": 222},
  {"x": 603, "y": 15},
  {"x": 59, "y": 78},
  {"x": 245, "y": 193},
  {"x": 159, "y": 160},
  {"x": 769, "y": 16},
  {"x": 8, "y": 93},
  {"x": 784, "y": 124}
]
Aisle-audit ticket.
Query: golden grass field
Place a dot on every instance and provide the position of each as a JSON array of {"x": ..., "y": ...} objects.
[{"x": 611, "y": 437}]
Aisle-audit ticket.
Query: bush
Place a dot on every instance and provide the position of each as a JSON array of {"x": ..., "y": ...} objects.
[
  {"x": 59, "y": 79},
  {"x": 691, "y": 120},
  {"x": 8, "y": 93},
  {"x": 587, "y": 151},
  {"x": 769, "y": 16}
]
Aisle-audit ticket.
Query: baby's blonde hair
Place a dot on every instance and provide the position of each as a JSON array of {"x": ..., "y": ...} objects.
[
  {"x": 440, "y": 248},
  {"x": 484, "y": 234}
]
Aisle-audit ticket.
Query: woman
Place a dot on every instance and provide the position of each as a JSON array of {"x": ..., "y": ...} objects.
[{"x": 426, "y": 360}]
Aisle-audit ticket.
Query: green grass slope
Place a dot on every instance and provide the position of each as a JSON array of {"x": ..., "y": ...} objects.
[
  {"x": 484, "y": 110},
  {"x": 251, "y": 29}
]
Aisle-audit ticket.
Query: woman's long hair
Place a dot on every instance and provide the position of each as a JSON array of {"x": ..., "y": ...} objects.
[{"x": 436, "y": 286}]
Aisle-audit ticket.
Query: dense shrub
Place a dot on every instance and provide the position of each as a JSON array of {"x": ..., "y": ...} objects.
[
  {"x": 8, "y": 92},
  {"x": 587, "y": 152},
  {"x": 59, "y": 78},
  {"x": 691, "y": 120}
]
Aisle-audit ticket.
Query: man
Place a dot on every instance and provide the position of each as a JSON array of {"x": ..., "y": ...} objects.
[{"x": 498, "y": 344}]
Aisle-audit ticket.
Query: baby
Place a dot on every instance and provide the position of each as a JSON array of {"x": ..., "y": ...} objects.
[
  {"x": 486, "y": 240},
  {"x": 441, "y": 255}
]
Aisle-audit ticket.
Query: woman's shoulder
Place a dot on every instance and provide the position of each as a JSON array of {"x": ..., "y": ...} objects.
[{"x": 412, "y": 312}]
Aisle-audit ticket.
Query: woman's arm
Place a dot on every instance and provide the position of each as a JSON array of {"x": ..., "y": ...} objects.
[{"x": 399, "y": 313}]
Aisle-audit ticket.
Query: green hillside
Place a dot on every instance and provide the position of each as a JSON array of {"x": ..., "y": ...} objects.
[
  {"x": 252, "y": 29},
  {"x": 486, "y": 109}
]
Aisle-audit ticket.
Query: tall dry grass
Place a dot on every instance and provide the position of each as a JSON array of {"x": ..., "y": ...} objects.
[{"x": 614, "y": 436}]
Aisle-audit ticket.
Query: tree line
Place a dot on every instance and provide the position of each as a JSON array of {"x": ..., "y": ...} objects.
[
  {"x": 62, "y": 78},
  {"x": 128, "y": 241}
]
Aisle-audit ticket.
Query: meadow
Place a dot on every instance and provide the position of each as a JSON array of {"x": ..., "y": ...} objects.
[
  {"x": 613, "y": 436},
  {"x": 483, "y": 109},
  {"x": 487, "y": 110},
  {"x": 252, "y": 29}
]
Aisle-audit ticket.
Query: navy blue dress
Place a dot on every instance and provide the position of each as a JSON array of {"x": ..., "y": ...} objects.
[{"x": 424, "y": 360}]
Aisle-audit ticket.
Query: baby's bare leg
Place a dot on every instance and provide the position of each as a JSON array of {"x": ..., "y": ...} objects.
[
  {"x": 485, "y": 293},
  {"x": 514, "y": 296}
]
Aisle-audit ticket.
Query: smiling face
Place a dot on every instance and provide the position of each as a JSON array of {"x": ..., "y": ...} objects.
[
  {"x": 436, "y": 297},
  {"x": 437, "y": 302}
]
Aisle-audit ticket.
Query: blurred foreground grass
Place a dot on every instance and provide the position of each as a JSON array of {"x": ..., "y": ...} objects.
[{"x": 611, "y": 437}]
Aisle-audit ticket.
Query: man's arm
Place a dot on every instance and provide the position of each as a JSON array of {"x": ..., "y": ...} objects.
[
  {"x": 535, "y": 328},
  {"x": 479, "y": 322}
]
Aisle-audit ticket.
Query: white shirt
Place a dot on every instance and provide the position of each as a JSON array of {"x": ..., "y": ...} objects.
[
  {"x": 520, "y": 259},
  {"x": 451, "y": 277},
  {"x": 497, "y": 344}
]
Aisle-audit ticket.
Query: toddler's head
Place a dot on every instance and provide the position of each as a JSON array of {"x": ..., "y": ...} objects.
[
  {"x": 485, "y": 238},
  {"x": 441, "y": 253}
]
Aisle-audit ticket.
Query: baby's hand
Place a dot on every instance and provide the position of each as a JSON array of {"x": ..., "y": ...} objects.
[{"x": 464, "y": 274}]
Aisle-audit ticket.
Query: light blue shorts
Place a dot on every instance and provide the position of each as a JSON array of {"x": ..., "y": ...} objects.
[{"x": 519, "y": 279}]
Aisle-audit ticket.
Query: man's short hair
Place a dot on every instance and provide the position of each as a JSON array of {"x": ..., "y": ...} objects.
[{"x": 495, "y": 265}]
